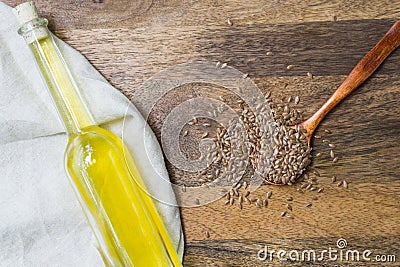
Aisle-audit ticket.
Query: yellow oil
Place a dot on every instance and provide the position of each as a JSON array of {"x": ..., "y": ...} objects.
[
  {"x": 123, "y": 216},
  {"x": 62, "y": 86},
  {"x": 105, "y": 179}
]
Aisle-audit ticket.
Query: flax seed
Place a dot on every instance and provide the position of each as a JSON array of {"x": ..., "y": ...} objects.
[
  {"x": 300, "y": 190},
  {"x": 316, "y": 173},
  {"x": 207, "y": 234}
]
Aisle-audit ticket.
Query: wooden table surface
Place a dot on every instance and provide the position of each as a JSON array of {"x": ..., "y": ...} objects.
[{"x": 130, "y": 41}]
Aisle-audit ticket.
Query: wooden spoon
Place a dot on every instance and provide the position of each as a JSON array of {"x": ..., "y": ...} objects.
[{"x": 361, "y": 72}]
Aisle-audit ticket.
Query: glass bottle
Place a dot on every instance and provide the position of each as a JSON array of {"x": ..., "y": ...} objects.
[{"x": 110, "y": 190}]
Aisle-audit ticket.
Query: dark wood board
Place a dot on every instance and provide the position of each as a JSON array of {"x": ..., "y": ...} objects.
[{"x": 130, "y": 41}]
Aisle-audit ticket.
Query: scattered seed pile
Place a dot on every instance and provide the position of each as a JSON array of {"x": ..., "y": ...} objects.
[{"x": 277, "y": 151}]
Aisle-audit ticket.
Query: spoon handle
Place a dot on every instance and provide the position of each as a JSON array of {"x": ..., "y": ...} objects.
[{"x": 368, "y": 64}]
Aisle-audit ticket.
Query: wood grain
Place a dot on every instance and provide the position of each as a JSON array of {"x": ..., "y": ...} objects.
[{"x": 130, "y": 41}]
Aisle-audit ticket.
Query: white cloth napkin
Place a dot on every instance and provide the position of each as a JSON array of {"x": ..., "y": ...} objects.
[{"x": 41, "y": 222}]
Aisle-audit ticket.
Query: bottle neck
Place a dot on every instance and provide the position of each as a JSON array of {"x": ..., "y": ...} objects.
[{"x": 63, "y": 88}]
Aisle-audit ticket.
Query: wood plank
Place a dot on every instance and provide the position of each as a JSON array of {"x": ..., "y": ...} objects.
[
  {"x": 337, "y": 212},
  {"x": 243, "y": 252},
  {"x": 183, "y": 13},
  {"x": 126, "y": 58}
]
